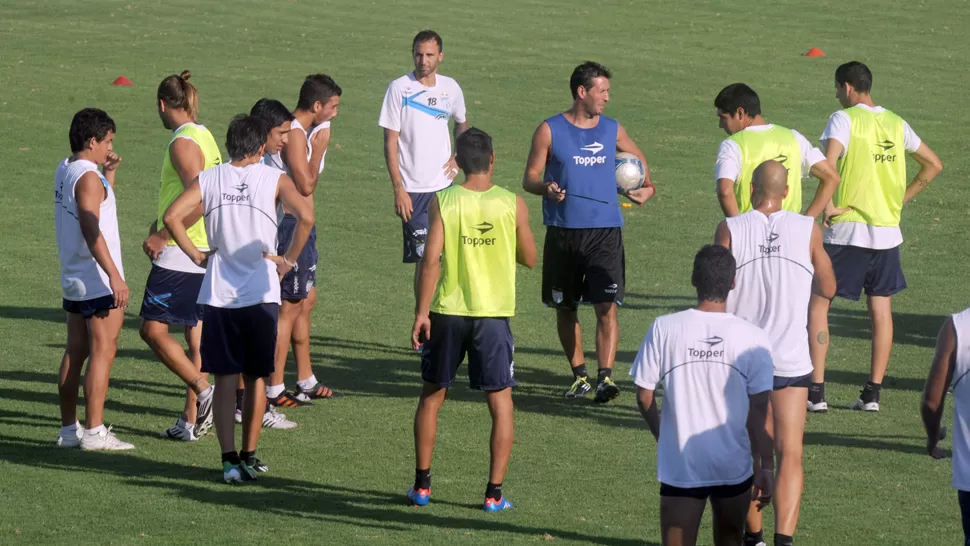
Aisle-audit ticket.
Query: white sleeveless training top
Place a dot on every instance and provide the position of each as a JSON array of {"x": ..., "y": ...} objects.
[
  {"x": 276, "y": 160},
  {"x": 774, "y": 282},
  {"x": 81, "y": 276},
  {"x": 240, "y": 211},
  {"x": 961, "y": 403}
]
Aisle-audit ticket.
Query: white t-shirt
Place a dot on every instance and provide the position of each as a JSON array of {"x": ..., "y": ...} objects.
[
  {"x": 961, "y": 403},
  {"x": 709, "y": 364},
  {"x": 728, "y": 164},
  {"x": 81, "y": 277},
  {"x": 240, "y": 209},
  {"x": 421, "y": 116},
  {"x": 774, "y": 282},
  {"x": 859, "y": 233}
]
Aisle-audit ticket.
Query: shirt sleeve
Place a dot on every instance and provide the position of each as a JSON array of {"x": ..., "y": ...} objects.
[
  {"x": 839, "y": 128},
  {"x": 391, "y": 110},
  {"x": 646, "y": 366},
  {"x": 760, "y": 365},
  {"x": 810, "y": 154},
  {"x": 458, "y": 105},
  {"x": 911, "y": 141},
  {"x": 728, "y": 164}
]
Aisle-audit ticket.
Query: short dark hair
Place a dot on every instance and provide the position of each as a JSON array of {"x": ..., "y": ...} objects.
[
  {"x": 855, "y": 74},
  {"x": 317, "y": 87},
  {"x": 584, "y": 74},
  {"x": 272, "y": 111},
  {"x": 246, "y": 135},
  {"x": 87, "y": 124},
  {"x": 427, "y": 36},
  {"x": 738, "y": 95},
  {"x": 473, "y": 151},
  {"x": 714, "y": 269}
]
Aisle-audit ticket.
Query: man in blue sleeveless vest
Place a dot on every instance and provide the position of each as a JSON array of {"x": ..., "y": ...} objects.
[{"x": 571, "y": 164}]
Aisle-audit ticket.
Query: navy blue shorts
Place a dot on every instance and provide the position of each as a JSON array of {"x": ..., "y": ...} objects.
[
  {"x": 879, "y": 272},
  {"x": 964, "y": 499},
  {"x": 583, "y": 265},
  {"x": 416, "y": 229},
  {"x": 170, "y": 297},
  {"x": 241, "y": 340},
  {"x": 802, "y": 381},
  {"x": 89, "y": 308},
  {"x": 713, "y": 491},
  {"x": 488, "y": 343},
  {"x": 296, "y": 284}
]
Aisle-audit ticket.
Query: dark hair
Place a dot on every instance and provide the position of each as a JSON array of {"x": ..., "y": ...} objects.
[
  {"x": 855, "y": 74},
  {"x": 427, "y": 36},
  {"x": 271, "y": 111},
  {"x": 714, "y": 268},
  {"x": 87, "y": 124},
  {"x": 473, "y": 151},
  {"x": 317, "y": 87},
  {"x": 584, "y": 74},
  {"x": 738, "y": 95},
  {"x": 246, "y": 135},
  {"x": 177, "y": 92}
]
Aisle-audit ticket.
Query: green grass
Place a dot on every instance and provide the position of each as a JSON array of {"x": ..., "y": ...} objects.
[{"x": 579, "y": 472}]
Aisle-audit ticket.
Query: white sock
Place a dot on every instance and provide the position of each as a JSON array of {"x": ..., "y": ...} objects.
[
  {"x": 208, "y": 392},
  {"x": 308, "y": 383},
  {"x": 272, "y": 391},
  {"x": 96, "y": 430},
  {"x": 70, "y": 430},
  {"x": 183, "y": 423}
]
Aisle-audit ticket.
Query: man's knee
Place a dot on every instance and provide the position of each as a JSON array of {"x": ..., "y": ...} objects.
[
  {"x": 605, "y": 312},
  {"x": 151, "y": 330}
]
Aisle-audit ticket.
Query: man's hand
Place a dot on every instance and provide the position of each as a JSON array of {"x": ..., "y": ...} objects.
[
  {"x": 764, "y": 485},
  {"x": 282, "y": 267},
  {"x": 402, "y": 204},
  {"x": 320, "y": 139},
  {"x": 421, "y": 331},
  {"x": 112, "y": 162},
  {"x": 553, "y": 193},
  {"x": 202, "y": 258},
  {"x": 641, "y": 195},
  {"x": 120, "y": 291},
  {"x": 154, "y": 245},
  {"x": 831, "y": 212},
  {"x": 450, "y": 168}
]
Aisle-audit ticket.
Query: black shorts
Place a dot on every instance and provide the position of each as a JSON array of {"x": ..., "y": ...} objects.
[
  {"x": 713, "y": 491},
  {"x": 240, "y": 340},
  {"x": 170, "y": 297},
  {"x": 89, "y": 308},
  {"x": 416, "y": 229},
  {"x": 802, "y": 381},
  {"x": 583, "y": 265},
  {"x": 879, "y": 272},
  {"x": 488, "y": 343},
  {"x": 296, "y": 284}
]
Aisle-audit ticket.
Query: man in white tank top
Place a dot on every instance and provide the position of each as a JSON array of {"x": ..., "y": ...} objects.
[
  {"x": 951, "y": 366},
  {"x": 780, "y": 261},
  {"x": 241, "y": 289},
  {"x": 92, "y": 277}
]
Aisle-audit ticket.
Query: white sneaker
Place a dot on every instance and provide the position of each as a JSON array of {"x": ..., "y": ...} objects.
[
  {"x": 203, "y": 428},
  {"x": 231, "y": 474},
  {"x": 203, "y": 405},
  {"x": 71, "y": 440},
  {"x": 864, "y": 406},
  {"x": 273, "y": 419},
  {"x": 820, "y": 407},
  {"x": 180, "y": 431},
  {"x": 103, "y": 441}
]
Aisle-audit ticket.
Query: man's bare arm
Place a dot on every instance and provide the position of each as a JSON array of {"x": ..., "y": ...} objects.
[{"x": 930, "y": 168}]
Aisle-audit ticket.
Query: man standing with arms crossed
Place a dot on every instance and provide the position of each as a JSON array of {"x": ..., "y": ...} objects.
[
  {"x": 780, "y": 261},
  {"x": 866, "y": 142},
  {"x": 417, "y": 146},
  {"x": 572, "y": 165}
]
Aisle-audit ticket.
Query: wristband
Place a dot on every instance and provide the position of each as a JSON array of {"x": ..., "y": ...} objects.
[{"x": 288, "y": 263}]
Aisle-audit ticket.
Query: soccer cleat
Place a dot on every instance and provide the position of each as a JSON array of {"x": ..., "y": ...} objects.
[
  {"x": 606, "y": 391},
  {"x": 180, "y": 431},
  {"x": 274, "y": 419},
  {"x": 103, "y": 441},
  {"x": 203, "y": 428},
  {"x": 259, "y": 466},
  {"x": 419, "y": 497},
  {"x": 286, "y": 400},
  {"x": 73, "y": 440},
  {"x": 864, "y": 406},
  {"x": 231, "y": 473},
  {"x": 238, "y": 417},
  {"x": 817, "y": 407},
  {"x": 579, "y": 388},
  {"x": 203, "y": 405},
  {"x": 316, "y": 392},
  {"x": 492, "y": 505}
]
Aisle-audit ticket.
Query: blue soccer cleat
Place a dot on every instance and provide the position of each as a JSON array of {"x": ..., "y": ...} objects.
[
  {"x": 491, "y": 505},
  {"x": 419, "y": 497}
]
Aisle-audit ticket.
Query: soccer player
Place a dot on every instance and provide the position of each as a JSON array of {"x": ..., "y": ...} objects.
[
  {"x": 716, "y": 373},
  {"x": 241, "y": 290},
  {"x": 753, "y": 140},
  {"x": 583, "y": 257},
  {"x": 174, "y": 281},
  {"x": 780, "y": 260},
  {"x": 302, "y": 158},
  {"x": 92, "y": 277},
  {"x": 466, "y": 294},
  {"x": 417, "y": 145},
  {"x": 863, "y": 237},
  {"x": 950, "y": 367}
]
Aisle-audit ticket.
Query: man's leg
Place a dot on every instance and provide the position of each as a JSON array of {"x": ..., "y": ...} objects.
[
  {"x": 818, "y": 348},
  {"x": 172, "y": 355},
  {"x": 103, "y": 329},
  {"x": 788, "y": 412},
  {"x": 753, "y": 522},
  {"x": 300, "y": 336},
  {"x": 607, "y": 338},
  {"x": 571, "y": 340},
  {"x": 69, "y": 378},
  {"x": 290, "y": 311},
  {"x": 500, "y": 444},
  {"x": 680, "y": 518},
  {"x": 193, "y": 338},
  {"x": 425, "y": 431},
  {"x": 728, "y": 518},
  {"x": 223, "y": 409},
  {"x": 254, "y": 406},
  {"x": 881, "y": 315}
]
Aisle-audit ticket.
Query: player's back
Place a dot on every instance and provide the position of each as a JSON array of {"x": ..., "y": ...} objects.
[
  {"x": 961, "y": 402},
  {"x": 773, "y": 284}
]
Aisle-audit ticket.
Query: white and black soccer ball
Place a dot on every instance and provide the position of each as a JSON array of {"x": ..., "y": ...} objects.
[{"x": 629, "y": 172}]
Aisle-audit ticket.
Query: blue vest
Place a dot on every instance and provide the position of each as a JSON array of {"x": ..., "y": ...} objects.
[{"x": 583, "y": 162}]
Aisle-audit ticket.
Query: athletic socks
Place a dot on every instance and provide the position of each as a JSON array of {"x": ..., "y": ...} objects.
[
  {"x": 870, "y": 393},
  {"x": 493, "y": 491},
  {"x": 231, "y": 456},
  {"x": 816, "y": 393},
  {"x": 272, "y": 391},
  {"x": 580, "y": 371},
  {"x": 603, "y": 373},
  {"x": 70, "y": 430},
  {"x": 248, "y": 457},
  {"x": 783, "y": 540},
  {"x": 308, "y": 383},
  {"x": 752, "y": 539},
  {"x": 422, "y": 479},
  {"x": 239, "y": 398}
]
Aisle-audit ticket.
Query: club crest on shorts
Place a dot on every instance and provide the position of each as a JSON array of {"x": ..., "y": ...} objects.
[{"x": 557, "y": 296}]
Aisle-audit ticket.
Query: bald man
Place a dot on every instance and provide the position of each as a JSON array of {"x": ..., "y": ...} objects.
[{"x": 781, "y": 263}]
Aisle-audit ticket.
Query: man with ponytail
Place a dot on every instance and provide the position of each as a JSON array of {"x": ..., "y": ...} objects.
[{"x": 175, "y": 280}]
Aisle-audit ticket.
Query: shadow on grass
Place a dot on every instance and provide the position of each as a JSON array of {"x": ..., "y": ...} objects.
[
  {"x": 381, "y": 510},
  {"x": 55, "y": 314},
  {"x": 908, "y": 328},
  {"x": 869, "y": 441}
]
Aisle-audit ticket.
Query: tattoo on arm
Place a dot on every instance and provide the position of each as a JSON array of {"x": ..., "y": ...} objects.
[
  {"x": 922, "y": 181},
  {"x": 822, "y": 338}
]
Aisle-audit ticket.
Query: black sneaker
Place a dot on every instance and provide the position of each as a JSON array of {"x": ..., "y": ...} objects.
[{"x": 606, "y": 391}]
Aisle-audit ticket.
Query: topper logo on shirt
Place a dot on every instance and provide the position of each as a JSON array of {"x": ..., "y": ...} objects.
[
  {"x": 587, "y": 161},
  {"x": 237, "y": 198},
  {"x": 769, "y": 248},
  {"x": 709, "y": 352},
  {"x": 484, "y": 227},
  {"x": 883, "y": 156}
]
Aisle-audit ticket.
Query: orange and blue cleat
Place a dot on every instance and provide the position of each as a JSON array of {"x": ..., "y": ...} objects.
[
  {"x": 419, "y": 497},
  {"x": 492, "y": 505}
]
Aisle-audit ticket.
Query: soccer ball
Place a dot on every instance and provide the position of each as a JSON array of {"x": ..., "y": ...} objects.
[{"x": 629, "y": 171}]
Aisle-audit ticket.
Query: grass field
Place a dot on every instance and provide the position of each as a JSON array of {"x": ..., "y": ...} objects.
[{"x": 579, "y": 472}]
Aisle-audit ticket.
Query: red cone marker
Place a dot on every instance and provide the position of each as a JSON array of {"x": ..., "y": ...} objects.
[
  {"x": 122, "y": 80},
  {"x": 815, "y": 52}
]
